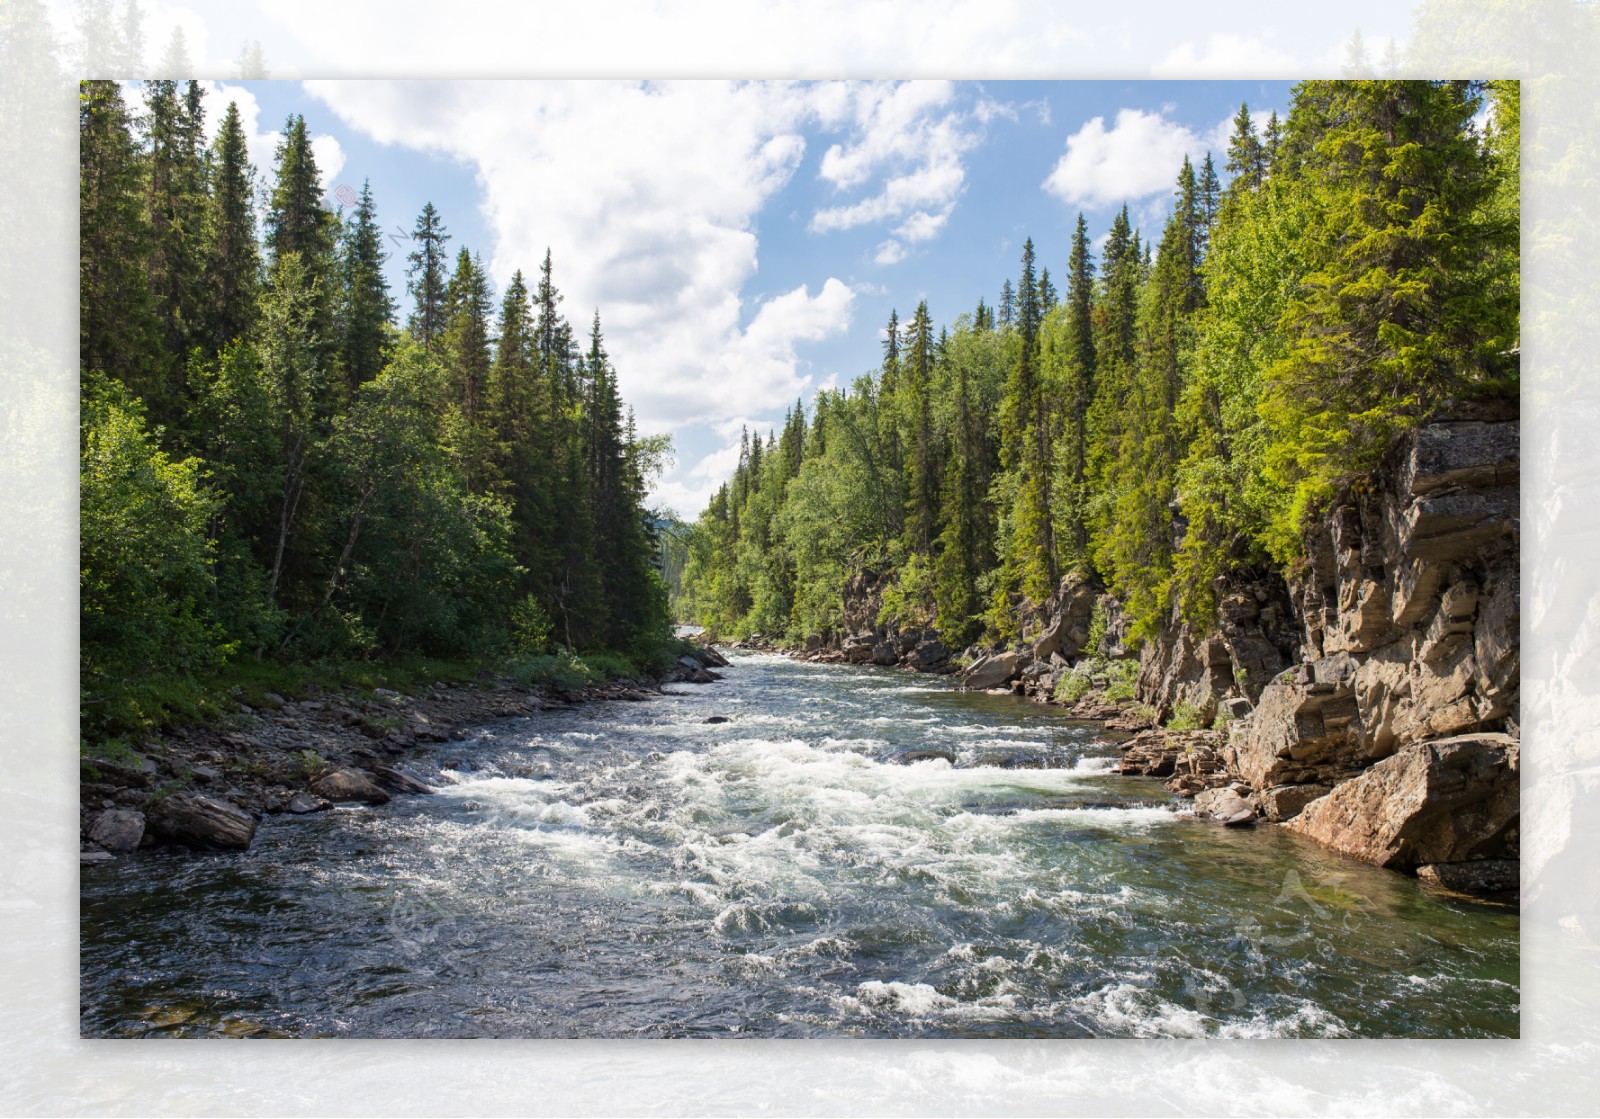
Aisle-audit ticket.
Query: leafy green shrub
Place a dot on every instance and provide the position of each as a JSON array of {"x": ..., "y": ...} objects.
[
  {"x": 145, "y": 569},
  {"x": 1122, "y": 676},
  {"x": 530, "y": 627},
  {"x": 1071, "y": 687},
  {"x": 1185, "y": 716}
]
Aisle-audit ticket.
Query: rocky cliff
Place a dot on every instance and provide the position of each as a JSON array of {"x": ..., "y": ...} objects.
[
  {"x": 1404, "y": 701},
  {"x": 1372, "y": 696}
]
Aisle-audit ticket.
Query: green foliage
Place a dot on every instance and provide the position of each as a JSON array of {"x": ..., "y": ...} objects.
[
  {"x": 531, "y": 627},
  {"x": 146, "y": 565},
  {"x": 271, "y": 467},
  {"x": 1072, "y": 687},
  {"x": 1185, "y": 716}
]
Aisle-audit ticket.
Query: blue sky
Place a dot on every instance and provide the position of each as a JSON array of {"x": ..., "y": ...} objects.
[{"x": 745, "y": 242}]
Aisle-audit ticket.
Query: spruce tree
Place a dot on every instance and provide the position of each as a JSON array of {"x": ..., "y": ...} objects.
[
  {"x": 365, "y": 308},
  {"x": 118, "y": 331},
  {"x": 425, "y": 279},
  {"x": 232, "y": 268}
]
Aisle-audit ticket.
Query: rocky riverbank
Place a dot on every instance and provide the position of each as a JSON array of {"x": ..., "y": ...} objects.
[
  {"x": 1369, "y": 702},
  {"x": 207, "y": 787}
]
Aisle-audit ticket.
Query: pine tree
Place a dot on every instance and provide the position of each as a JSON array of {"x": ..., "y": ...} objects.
[
  {"x": 426, "y": 278},
  {"x": 1047, "y": 293},
  {"x": 922, "y": 471},
  {"x": 176, "y": 203},
  {"x": 232, "y": 269},
  {"x": 365, "y": 308},
  {"x": 1246, "y": 155},
  {"x": 1080, "y": 391},
  {"x": 118, "y": 331},
  {"x": 1008, "y": 304}
]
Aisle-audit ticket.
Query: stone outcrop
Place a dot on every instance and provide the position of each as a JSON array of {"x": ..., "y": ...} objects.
[
  {"x": 1409, "y": 607},
  {"x": 192, "y": 820},
  {"x": 1374, "y": 695},
  {"x": 1444, "y": 801},
  {"x": 1226, "y": 668}
]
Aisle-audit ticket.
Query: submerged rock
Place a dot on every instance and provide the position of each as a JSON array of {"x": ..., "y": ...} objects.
[
  {"x": 400, "y": 782},
  {"x": 1478, "y": 876},
  {"x": 303, "y": 803}
]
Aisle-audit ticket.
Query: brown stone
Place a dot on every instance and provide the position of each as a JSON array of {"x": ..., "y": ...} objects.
[
  {"x": 1284, "y": 802},
  {"x": 1441, "y": 801}
]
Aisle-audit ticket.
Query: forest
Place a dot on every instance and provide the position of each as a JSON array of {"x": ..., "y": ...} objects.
[
  {"x": 1160, "y": 417},
  {"x": 283, "y": 467}
]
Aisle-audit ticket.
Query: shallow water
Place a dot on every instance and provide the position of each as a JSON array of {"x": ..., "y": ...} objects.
[{"x": 627, "y": 870}]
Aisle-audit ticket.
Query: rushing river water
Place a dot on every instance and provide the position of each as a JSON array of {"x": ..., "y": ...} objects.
[{"x": 857, "y": 852}]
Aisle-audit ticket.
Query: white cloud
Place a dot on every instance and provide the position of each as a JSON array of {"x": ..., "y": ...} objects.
[
  {"x": 1137, "y": 157},
  {"x": 1226, "y": 55},
  {"x": 909, "y": 132}
]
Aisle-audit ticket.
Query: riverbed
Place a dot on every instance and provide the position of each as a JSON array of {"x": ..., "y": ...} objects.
[{"x": 855, "y": 852}]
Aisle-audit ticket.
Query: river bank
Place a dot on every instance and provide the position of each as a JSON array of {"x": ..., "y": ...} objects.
[{"x": 207, "y": 786}]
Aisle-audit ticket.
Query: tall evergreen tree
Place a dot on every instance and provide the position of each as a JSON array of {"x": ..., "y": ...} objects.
[
  {"x": 118, "y": 331},
  {"x": 426, "y": 280},
  {"x": 365, "y": 308},
  {"x": 232, "y": 269}
]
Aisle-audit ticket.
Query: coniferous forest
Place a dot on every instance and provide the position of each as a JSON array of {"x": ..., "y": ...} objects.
[
  {"x": 1162, "y": 416},
  {"x": 284, "y": 462}
]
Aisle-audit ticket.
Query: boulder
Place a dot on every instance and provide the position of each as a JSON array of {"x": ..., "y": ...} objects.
[
  {"x": 1442, "y": 801},
  {"x": 993, "y": 671},
  {"x": 303, "y": 803},
  {"x": 119, "y": 829},
  {"x": 349, "y": 785},
  {"x": 1283, "y": 802},
  {"x": 400, "y": 782},
  {"x": 1225, "y": 806},
  {"x": 719, "y": 719},
  {"x": 1478, "y": 876},
  {"x": 885, "y": 653},
  {"x": 192, "y": 820},
  {"x": 928, "y": 655}
]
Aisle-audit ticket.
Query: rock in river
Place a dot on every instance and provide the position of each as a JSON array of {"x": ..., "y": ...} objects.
[
  {"x": 192, "y": 820},
  {"x": 1444, "y": 801},
  {"x": 119, "y": 829},
  {"x": 348, "y": 785}
]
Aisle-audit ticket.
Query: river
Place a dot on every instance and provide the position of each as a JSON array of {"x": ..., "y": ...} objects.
[{"x": 857, "y": 852}]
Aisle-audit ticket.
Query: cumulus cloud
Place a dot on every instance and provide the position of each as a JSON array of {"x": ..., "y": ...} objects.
[
  {"x": 911, "y": 136},
  {"x": 647, "y": 196},
  {"x": 1136, "y": 157}
]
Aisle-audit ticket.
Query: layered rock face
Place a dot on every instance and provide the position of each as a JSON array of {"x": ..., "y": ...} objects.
[
  {"x": 1255, "y": 639},
  {"x": 1409, "y": 661}
]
